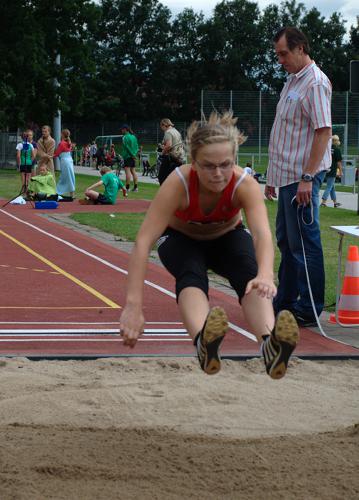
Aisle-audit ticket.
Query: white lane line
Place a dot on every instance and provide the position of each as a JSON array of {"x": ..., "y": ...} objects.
[
  {"x": 84, "y": 323},
  {"x": 94, "y": 340},
  {"x": 243, "y": 332},
  {"x": 67, "y": 335},
  {"x": 81, "y": 250},
  {"x": 74, "y": 331},
  {"x": 236, "y": 328}
]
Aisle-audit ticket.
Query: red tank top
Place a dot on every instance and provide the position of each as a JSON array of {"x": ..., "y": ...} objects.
[{"x": 222, "y": 212}]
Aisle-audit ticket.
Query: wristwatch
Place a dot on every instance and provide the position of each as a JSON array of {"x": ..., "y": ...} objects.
[{"x": 307, "y": 178}]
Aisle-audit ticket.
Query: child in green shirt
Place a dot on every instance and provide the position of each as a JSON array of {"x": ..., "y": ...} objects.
[{"x": 112, "y": 184}]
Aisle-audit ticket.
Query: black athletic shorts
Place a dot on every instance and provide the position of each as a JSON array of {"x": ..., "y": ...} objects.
[
  {"x": 167, "y": 166},
  {"x": 129, "y": 163},
  {"x": 26, "y": 169},
  {"x": 103, "y": 200},
  {"x": 231, "y": 256}
]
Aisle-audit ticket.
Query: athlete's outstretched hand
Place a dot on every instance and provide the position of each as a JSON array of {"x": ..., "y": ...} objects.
[
  {"x": 264, "y": 286},
  {"x": 131, "y": 324}
]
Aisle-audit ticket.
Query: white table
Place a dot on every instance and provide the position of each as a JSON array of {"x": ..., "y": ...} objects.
[{"x": 342, "y": 231}]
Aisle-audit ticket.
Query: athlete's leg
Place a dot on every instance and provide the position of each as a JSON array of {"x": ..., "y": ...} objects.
[
  {"x": 258, "y": 312},
  {"x": 194, "y": 308},
  {"x": 185, "y": 259},
  {"x": 233, "y": 257}
]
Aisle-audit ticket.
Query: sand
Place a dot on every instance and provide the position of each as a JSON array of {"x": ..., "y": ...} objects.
[{"x": 161, "y": 429}]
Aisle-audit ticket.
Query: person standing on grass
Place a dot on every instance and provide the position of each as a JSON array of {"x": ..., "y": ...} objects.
[
  {"x": 66, "y": 183},
  {"x": 299, "y": 156},
  {"x": 173, "y": 152},
  {"x": 335, "y": 170},
  {"x": 129, "y": 154},
  {"x": 197, "y": 222},
  {"x": 30, "y": 135},
  {"x": 46, "y": 150},
  {"x": 112, "y": 184},
  {"x": 25, "y": 156},
  {"x": 93, "y": 151}
]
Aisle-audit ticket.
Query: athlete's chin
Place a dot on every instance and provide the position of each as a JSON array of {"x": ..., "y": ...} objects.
[{"x": 217, "y": 185}]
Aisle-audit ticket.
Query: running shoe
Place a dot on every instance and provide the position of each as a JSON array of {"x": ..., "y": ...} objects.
[
  {"x": 135, "y": 190},
  {"x": 279, "y": 345},
  {"x": 209, "y": 340},
  {"x": 337, "y": 204}
]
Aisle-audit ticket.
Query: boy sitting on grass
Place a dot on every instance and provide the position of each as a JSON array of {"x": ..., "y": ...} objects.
[{"x": 112, "y": 184}]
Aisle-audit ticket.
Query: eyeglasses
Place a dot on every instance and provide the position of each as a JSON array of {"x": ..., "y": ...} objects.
[{"x": 211, "y": 167}]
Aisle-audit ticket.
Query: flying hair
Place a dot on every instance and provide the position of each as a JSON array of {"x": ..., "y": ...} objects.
[{"x": 217, "y": 129}]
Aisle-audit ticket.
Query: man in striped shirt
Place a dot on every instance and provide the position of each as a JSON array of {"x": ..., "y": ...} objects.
[{"x": 299, "y": 156}]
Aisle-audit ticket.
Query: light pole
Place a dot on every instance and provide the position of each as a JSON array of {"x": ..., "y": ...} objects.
[{"x": 57, "y": 117}]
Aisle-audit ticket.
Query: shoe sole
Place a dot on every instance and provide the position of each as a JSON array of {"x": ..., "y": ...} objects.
[
  {"x": 216, "y": 327},
  {"x": 287, "y": 331}
]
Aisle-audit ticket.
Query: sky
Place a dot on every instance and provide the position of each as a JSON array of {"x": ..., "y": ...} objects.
[{"x": 348, "y": 8}]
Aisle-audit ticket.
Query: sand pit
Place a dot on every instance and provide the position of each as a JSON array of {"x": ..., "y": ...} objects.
[{"x": 161, "y": 429}]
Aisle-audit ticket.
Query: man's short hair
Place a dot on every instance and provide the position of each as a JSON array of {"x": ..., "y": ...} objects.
[
  {"x": 294, "y": 38},
  {"x": 105, "y": 170}
]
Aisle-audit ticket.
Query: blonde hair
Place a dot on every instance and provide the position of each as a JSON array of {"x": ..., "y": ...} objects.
[
  {"x": 166, "y": 122},
  {"x": 66, "y": 135},
  {"x": 217, "y": 129},
  {"x": 104, "y": 170},
  {"x": 336, "y": 140}
]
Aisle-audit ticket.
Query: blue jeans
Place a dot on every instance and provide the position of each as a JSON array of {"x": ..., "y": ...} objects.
[
  {"x": 330, "y": 190},
  {"x": 293, "y": 292}
]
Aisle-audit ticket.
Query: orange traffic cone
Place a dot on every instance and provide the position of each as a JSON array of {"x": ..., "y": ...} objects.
[{"x": 348, "y": 307}]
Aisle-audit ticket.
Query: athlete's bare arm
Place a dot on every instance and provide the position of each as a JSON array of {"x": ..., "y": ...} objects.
[
  {"x": 249, "y": 196},
  {"x": 169, "y": 197}
]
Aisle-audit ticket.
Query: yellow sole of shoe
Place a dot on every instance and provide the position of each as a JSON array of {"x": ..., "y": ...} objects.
[
  {"x": 216, "y": 324},
  {"x": 216, "y": 327},
  {"x": 287, "y": 329}
]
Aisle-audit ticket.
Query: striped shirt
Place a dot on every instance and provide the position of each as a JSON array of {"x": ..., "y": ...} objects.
[{"x": 303, "y": 107}]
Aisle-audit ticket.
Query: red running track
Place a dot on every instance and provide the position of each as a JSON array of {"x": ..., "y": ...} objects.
[{"x": 62, "y": 292}]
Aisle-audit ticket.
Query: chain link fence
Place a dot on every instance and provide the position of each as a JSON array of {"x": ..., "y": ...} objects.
[
  {"x": 147, "y": 132},
  {"x": 256, "y": 111}
]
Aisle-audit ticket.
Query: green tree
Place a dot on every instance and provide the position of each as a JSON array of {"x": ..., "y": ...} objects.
[
  {"x": 231, "y": 52},
  {"x": 328, "y": 49},
  {"x": 326, "y": 38},
  {"x": 34, "y": 31},
  {"x": 134, "y": 46},
  {"x": 186, "y": 74}
]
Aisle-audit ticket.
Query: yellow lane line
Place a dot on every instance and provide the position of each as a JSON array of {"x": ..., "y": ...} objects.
[{"x": 88, "y": 288}]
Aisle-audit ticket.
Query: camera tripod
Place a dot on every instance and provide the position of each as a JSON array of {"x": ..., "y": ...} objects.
[{"x": 23, "y": 189}]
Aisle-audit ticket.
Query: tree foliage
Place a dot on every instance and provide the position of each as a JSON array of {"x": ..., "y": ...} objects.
[{"x": 127, "y": 59}]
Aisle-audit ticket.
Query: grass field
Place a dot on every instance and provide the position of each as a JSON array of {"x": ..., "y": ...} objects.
[
  {"x": 126, "y": 225},
  {"x": 10, "y": 185}
]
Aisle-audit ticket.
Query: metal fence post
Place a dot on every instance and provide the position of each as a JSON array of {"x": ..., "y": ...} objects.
[
  {"x": 260, "y": 128},
  {"x": 346, "y": 124}
]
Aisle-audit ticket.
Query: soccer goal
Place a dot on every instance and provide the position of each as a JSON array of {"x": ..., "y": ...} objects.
[{"x": 107, "y": 140}]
